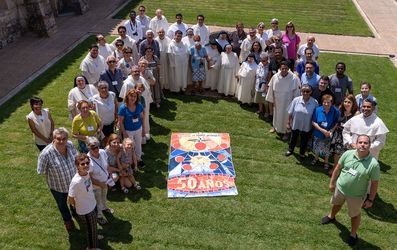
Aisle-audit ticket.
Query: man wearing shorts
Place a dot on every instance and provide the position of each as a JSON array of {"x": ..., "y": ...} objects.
[{"x": 356, "y": 169}]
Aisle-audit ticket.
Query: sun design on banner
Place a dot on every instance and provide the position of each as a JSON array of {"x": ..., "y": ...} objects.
[{"x": 200, "y": 165}]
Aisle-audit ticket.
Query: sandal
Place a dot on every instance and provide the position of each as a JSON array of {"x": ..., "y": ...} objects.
[
  {"x": 314, "y": 162},
  {"x": 125, "y": 190}
]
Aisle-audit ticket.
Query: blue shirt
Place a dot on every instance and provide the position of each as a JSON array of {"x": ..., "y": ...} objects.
[
  {"x": 325, "y": 120},
  {"x": 302, "y": 113},
  {"x": 313, "y": 81},
  {"x": 300, "y": 68},
  {"x": 196, "y": 56},
  {"x": 132, "y": 120}
]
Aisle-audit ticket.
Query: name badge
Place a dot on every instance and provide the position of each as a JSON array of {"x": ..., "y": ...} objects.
[
  {"x": 352, "y": 171},
  {"x": 240, "y": 41},
  {"x": 90, "y": 128},
  {"x": 338, "y": 90},
  {"x": 114, "y": 82},
  {"x": 135, "y": 120},
  {"x": 324, "y": 124}
]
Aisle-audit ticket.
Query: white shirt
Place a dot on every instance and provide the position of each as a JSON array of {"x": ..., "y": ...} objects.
[
  {"x": 156, "y": 24},
  {"x": 105, "y": 50},
  {"x": 42, "y": 123},
  {"x": 82, "y": 191},
  {"x": 134, "y": 30},
  {"x": 99, "y": 166},
  {"x": 105, "y": 108},
  {"x": 93, "y": 67}
]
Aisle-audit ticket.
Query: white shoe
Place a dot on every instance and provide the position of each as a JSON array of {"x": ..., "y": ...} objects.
[{"x": 147, "y": 137}]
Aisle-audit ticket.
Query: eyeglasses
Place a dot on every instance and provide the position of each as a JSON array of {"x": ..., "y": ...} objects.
[
  {"x": 119, "y": 45},
  {"x": 128, "y": 52},
  {"x": 142, "y": 10},
  {"x": 306, "y": 91},
  {"x": 111, "y": 61},
  {"x": 86, "y": 163},
  {"x": 290, "y": 26},
  {"x": 61, "y": 138},
  {"x": 94, "y": 147}
]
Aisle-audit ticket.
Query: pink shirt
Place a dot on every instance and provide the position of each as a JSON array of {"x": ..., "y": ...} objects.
[{"x": 292, "y": 45}]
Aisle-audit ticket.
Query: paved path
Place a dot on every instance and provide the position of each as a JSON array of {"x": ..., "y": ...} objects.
[{"x": 26, "y": 58}]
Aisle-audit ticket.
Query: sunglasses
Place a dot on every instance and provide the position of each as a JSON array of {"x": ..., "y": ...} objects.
[
  {"x": 112, "y": 62},
  {"x": 128, "y": 52},
  {"x": 84, "y": 163}
]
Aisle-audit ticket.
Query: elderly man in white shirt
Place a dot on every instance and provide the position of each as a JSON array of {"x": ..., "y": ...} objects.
[
  {"x": 366, "y": 123},
  {"x": 309, "y": 44},
  {"x": 93, "y": 65},
  {"x": 158, "y": 22},
  {"x": 202, "y": 30},
  {"x": 178, "y": 25}
]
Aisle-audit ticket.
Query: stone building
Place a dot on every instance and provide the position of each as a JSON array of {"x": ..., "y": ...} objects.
[{"x": 38, "y": 16}]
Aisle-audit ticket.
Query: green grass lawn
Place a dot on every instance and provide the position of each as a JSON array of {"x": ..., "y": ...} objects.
[
  {"x": 328, "y": 16},
  {"x": 280, "y": 201}
]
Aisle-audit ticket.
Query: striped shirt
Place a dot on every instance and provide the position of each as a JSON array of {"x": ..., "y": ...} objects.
[{"x": 58, "y": 169}]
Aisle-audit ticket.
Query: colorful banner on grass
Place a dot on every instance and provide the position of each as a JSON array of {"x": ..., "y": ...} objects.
[{"x": 200, "y": 165}]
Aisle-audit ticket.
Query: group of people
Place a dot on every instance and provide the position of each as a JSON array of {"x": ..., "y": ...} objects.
[{"x": 109, "y": 107}]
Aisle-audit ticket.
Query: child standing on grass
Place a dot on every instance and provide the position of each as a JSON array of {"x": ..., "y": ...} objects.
[
  {"x": 365, "y": 88},
  {"x": 127, "y": 160}
]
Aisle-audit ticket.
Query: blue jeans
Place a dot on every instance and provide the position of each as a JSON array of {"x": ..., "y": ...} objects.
[{"x": 61, "y": 200}]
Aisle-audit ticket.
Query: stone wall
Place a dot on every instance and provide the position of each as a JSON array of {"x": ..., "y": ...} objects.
[{"x": 38, "y": 16}]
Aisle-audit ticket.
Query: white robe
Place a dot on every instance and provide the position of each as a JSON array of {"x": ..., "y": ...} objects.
[
  {"x": 76, "y": 94},
  {"x": 246, "y": 47},
  {"x": 92, "y": 68},
  {"x": 212, "y": 75},
  {"x": 164, "y": 64},
  {"x": 282, "y": 90},
  {"x": 245, "y": 90},
  {"x": 203, "y": 32},
  {"x": 372, "y": 126},
  {"x": 178, "y": 56},
  {"x": 228, "y": 70},
  {"x": 105, "y": 50},
  {"x": 132, "y": 29},
  {"x": 156, "y": 24},
  {"x": 174, "y": 27}
]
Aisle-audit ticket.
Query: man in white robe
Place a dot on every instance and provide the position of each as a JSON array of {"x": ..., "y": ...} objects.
[
  {"x": 247, "y": 44},
  {"x": 178, "y": 25},
  {"x": 202, "y": 30},
  {"x": 133, "y": 26},
  {"x": 283, "y": 88},
  {"x": 93, "y": 65},
  {"x": 158, "y": 22},
  {"x": 104, "y": 48},
  {"x": 164, "y": 42},
  {"x": 366, "y": 123},
  {"x": 128, "y": 42},
  {"x": 178, "y": 55}
]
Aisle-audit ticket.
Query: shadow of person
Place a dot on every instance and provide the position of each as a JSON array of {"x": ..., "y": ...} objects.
[
  {"x": 382, "y": 211},
  {"x": 166, "y": 110},
  {"x": 116, "y": 230},
  {"x": 78, "y": 237},
  {"x": 345, "y": 233},
  {"x": 384, "y": 167},
  {"x": 157, "y": 129}
]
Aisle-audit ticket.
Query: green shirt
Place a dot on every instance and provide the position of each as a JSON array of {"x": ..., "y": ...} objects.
[
  {"x": 356, "y": 173},
  {"x": 86, "y": 126}
]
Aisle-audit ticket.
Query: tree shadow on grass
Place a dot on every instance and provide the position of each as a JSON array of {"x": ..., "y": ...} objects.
[
  {"x": 345, "y": 233},
  {"x": 192, "y": 98},
  {"x": 382, "y": 211},
  {"x": 157, "y": 129}
]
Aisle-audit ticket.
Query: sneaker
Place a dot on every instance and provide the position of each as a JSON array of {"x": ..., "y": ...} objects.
[
  {"x": 272, "y": 130},
  {"x": 141, "y": 164},
  {"x": 326, "y": 220},
  {"x": 101, "y": 221},
  {"x": 109, "y": 210},
  {"x": 288, "y": 153},
  {"x": 69, "y": 225},
  {"x": 352, "y": 241}
]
